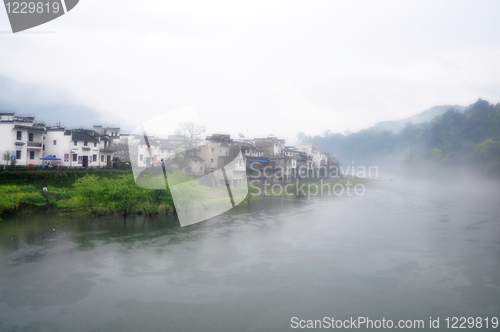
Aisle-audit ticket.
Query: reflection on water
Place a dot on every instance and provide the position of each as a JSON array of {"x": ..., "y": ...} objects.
[{"x": 401, "y": 251}]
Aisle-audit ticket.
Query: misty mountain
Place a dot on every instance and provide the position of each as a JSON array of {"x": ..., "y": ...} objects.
[
  {"x": 425, "y": 116},
  {"x": 46, "y": 103},
  {"x": 452, "y": 140}
]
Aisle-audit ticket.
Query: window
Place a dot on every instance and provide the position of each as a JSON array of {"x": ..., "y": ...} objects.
[
  {"x": 32, "y": 155},
  {"x": 55, "y": 142},
  {"x": 102, "y": 157},
  {"x": 140, "y": 157},
  {"x": 94, "y": 157},
  {"x": 30, "y": 137},
  {"x": 43, "y": 147},
  {"x": 66, "y": 157},
  {"x": 19, "y": 135},
  {"x": 201, "y": 168},
  {"x": 18, "y": 154},
  {"x": 80, "y": 159},
  {"x": 75, "y": 143},
  {"x": 75, "y": 156},
  {"x": 212, "y": 160},
  {"x": 95, "y": 144},
  {"x": 85, "y": 143}
]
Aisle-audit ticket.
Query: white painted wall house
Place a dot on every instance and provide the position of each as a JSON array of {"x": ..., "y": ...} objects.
[{"x": 21, "y": 139}]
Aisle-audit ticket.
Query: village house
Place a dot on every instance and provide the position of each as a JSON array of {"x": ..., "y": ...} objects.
[
  {"x": 221, "y": 151},
  {"x": 271, "y": 145},
  {"x": 21, "y": 140},
  {"x": 75, "y": 148},
  {"x": 26, "y": 142}
]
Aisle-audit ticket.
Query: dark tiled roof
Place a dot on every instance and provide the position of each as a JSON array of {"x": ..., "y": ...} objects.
[
  {"x": 245, "y": 145},
  {"x": 24, "y": 118},
  {"x": 33, "y": 128},
  {"x": 195, "y": 158},
  {"x": 83, "y": 135}
]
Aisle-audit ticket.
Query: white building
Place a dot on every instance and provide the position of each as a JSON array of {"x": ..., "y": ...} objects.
[
  {"x": 75, "y": 148},
  {"x": 21, "y": 139}
]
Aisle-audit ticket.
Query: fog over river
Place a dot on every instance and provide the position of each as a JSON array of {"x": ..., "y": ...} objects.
[{"x": 405, "y": 250}]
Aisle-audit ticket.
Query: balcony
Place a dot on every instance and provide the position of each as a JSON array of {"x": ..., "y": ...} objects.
[{"x": 35, "y": 144}]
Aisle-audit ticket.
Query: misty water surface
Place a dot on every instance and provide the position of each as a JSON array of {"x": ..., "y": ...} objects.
[{"x": 404, "y": 250}]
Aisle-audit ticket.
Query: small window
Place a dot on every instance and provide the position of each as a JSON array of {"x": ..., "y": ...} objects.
[
  {"x": 80, "y": 159},
  {"x": 141, "y": 157},
  {"x": 19, "y": 135},
  {"x": 18, "y": 154},
  {"x": 43, "y": 147},
  {"x": 94, "y": 157},
  {"x": 32, "y": 155},
  {"x": 30, "y": 137},
  {"x": 95, "y": 144},
  {"x": 66, "y": 157},
  {"x": 85, "y": 143},
  {"x": 102, "y": 157},
  {"x": 201, "y": 168},
  {"x": 55, "y": 142},
  {"x": 75, "y": 143},
  {"x": 212, "y": 160},
  {"x": 75, "y": 156}
]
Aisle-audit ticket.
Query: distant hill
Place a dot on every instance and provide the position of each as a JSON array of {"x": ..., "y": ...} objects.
[
  {"x": 425, "y": 116},
  {"x": 46, "y": 104}
]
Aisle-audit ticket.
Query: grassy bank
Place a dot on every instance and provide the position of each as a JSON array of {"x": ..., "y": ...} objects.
[
  {"x": 98, "y": 192},
  {"x": 103, "y": 192}
]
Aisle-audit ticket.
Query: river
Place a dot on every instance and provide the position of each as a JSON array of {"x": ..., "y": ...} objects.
[{"x": 404, "y": 250}]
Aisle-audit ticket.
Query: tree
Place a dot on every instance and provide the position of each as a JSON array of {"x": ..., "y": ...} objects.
[
  {"x": 122, "y": 152},
  {"x": 190, "y": 134},
  {"x": 301, "y": 137},
  {"x": 122, "y": 194},
  {"x": 89, "y": 192}
]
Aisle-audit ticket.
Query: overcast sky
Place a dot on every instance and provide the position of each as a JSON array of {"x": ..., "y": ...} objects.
[{"x": 264, "y": 67}]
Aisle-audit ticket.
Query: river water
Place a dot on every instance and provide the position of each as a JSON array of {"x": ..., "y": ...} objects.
[{"x": 402, "y": 251}]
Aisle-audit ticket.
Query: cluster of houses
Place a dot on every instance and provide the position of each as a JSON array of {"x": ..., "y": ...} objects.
[
  {"x": 267, "y": 159},
  {"x": 26, "y": 142}
]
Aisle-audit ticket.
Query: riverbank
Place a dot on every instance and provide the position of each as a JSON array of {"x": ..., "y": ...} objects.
[{"x": 108, "y": 192}]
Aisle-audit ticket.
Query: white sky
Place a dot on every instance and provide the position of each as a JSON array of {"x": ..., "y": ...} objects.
[{"x": 264, "y": 67}]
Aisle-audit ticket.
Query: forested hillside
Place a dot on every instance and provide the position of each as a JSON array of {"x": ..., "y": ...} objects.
[{"x": 452, "y": 140}]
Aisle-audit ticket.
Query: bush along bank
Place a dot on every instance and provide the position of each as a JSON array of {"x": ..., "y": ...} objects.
[{"x": 98, "y": 193}]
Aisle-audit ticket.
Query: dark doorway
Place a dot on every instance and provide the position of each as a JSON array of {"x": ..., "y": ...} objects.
[{"x": 85, "y": 161}]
